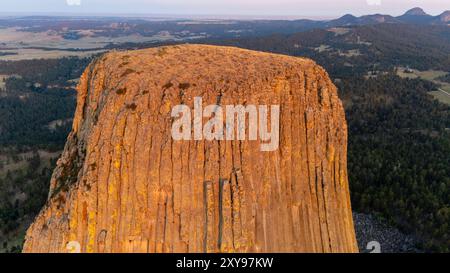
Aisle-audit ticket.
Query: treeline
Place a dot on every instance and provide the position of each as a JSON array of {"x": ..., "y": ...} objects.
[
  {"x": 399, "y": 139},
  {"x": 26, "y": 119},
  {"x": 445, "y": 78},
  {"x": 36, "y": 108},
  {"x": 420, "y": 47},
  {"x": 380, "y": 47},
  {"x": 399, "y": 155},
  {"x": 399, "y": 136},
  {"x": 37, "y": 94},
  {"x": 22, "y": 195},
  {"x": 46, "y": 71}
]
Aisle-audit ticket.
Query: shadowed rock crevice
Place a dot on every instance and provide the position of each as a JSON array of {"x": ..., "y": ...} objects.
[{"x": 123, "y": 184}]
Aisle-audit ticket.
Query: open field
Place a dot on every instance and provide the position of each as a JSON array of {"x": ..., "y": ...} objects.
[
  {"x": 15, "y": 38},
  {"x": 345, "y": 53},
  {"x": 10, "y": 165},
  {"x": 349, "y": 53},
  {"x": 323, "y": 48},
  {"x": 50, "y": 44},
  {"x": 429, "y": 75},
  {"x": 339, "y": 30},
  {"x": 443, "y": 95}
]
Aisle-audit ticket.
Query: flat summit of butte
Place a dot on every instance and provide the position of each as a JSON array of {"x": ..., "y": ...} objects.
[{"x": 123, "y": 184}]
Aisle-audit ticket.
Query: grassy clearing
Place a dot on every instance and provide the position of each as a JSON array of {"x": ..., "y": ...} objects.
[
  {"x": 445, "y": 86},
  {"x": 323, "y": 48},
  {"x": 350, "y": 53},
  {"x": 441, "y": 96},
  {"x": 339, "y": 30},
  {"x": 429, "y": 75},
  {"x": 10, "y": 165}
]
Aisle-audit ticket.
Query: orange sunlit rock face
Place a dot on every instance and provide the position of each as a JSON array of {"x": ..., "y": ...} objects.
[{"x": 123, "y": 184}]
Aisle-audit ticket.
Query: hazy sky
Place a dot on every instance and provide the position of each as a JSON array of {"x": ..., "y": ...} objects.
[{"x": 298, "y": 8}]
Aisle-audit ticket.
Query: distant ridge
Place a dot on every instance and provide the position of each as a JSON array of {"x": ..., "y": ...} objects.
[
  {"x": 416, "y": 12},
  {"x": 445, "y": 16},
  {"x": 413, "y": 16}
]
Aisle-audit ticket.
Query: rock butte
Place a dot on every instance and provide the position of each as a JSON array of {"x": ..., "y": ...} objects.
[{"x": 123, "y": 184}]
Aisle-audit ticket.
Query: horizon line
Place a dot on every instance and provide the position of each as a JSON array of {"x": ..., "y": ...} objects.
[
  {"x": 174, "y": 16},
  {"x": 205, "y": 16}
]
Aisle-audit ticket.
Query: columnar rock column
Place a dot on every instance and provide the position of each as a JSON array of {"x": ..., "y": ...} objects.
[{"x": 123, "y": 184}]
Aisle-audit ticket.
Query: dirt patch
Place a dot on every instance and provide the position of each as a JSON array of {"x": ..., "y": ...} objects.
[{"x": 2, "y": 81}]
